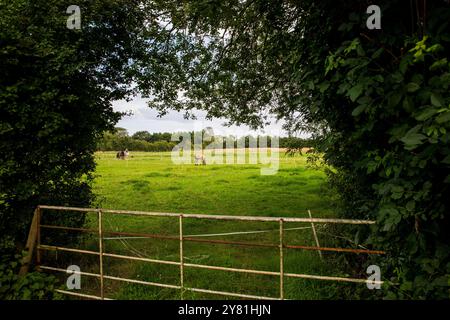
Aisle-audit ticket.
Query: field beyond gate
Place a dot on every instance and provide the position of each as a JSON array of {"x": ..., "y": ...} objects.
[{"x": 150, "y": 182}]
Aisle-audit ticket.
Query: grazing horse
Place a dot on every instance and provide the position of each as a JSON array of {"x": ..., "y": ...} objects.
[
  {"x": 122, "y": 155},
  {"x": 200, "y": 160}
]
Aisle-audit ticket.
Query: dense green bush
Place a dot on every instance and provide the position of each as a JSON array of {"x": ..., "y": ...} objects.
[
  {"x": 56, "y": 90},
  {"x": 392, "y": 153},
  {"x": 378, "y": 102},
  {"x": 32, "y": 286},
  {"x": 57, "y": 86}
]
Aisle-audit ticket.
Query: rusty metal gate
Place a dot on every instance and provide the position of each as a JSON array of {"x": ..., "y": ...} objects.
[{"x": 34, "y": 242}]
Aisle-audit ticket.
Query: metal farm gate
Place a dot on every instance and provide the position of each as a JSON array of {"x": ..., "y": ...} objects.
[{"x": 34, "y": 242}]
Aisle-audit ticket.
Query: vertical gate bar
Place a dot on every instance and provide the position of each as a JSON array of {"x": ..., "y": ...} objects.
[
  {"x": 315, "y": 235},
  {"x": 38, "y": 237},
  {"x": 181, "y": 257},
  {"x": 100, "y": 249},
  {"x": 281, "y": 262}
]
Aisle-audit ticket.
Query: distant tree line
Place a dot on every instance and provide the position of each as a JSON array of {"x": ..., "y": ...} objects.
[
  {"x": 119, "y": 139},
  {"x": 140, "y": 141}
]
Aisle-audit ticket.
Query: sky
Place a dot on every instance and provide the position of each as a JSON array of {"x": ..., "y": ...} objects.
[{"x": 146, "y": 119}]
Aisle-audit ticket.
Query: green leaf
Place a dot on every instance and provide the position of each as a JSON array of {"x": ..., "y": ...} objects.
[
  {"x": 444, "y": 117},
  {"x": 412, "y": 140},
  {"x": 408, "y": 104},
  {"x": 397, "y": 77},
  {"x": 394, "y": 99},
  {"x": 393, "y": 217},
  {"x": 360, "y": 51},
  {"x": 355, "y": 92},
  {"x": 323, "y": 86},
  {"x": 412, "y": 87},
  {"x": 438, "y": 64},
  {"x": 377, "y": 53},
  {"x": 426, "y": 114},
  {"x": 379, "y": 78},
  {"x": 410, "y": 205},
  {"x": 442, "y": 281},
  {"x": 388, "y": 171},
  {"x": 404, "y": 64},
  {"x": 397, "y": 196},
  {"x": 357, "y": 111},
  {"x": 436, "y": 100}
]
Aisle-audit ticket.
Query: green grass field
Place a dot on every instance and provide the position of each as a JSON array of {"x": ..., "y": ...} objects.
[{"x": 151, "y": 182}]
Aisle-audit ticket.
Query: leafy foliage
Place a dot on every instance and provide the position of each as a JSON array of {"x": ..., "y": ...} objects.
[
  {"x": 32, "y": 286},
  {"x": 55, "y": 101},
  {"x": 400, "y": 104},
  {"x": 56, "y": 89},
  {"x": 377, "y": 100}
]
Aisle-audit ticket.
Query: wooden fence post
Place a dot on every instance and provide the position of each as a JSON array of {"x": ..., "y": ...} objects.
[{"x": 31, "y": 243}]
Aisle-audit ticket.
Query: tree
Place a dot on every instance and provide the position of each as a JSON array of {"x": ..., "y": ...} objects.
[
  {"x": 57, "y": 85},
  {"x": 377, "y": 102},
  {"x": 120, "y": 132},
  {"x": 142, "y": 135}
]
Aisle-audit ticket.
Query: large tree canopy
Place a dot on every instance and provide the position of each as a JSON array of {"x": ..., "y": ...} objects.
[
  {"x": 56, "y": 89},
  {"x": 377, "y": 99}
]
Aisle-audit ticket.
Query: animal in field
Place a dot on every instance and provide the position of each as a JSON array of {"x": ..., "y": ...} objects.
[
  {"x": 122, "y": 155},
  {"x": 200, "y": 160},
  {"x": 307, "y": 150}
]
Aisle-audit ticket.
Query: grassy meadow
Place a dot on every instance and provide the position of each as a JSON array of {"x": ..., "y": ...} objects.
[{"x": 151, "y": 182}]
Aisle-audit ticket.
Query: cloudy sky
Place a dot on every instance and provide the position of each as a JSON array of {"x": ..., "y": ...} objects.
[{"x": 147, "y": 119}]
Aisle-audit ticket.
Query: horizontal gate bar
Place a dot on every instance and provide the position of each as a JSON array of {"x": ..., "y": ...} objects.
[
  {"x": 265, "y": 245},
  {"x": 116, "y": 233},
  {"x": 213, "y": 217},
  {"x": 281, "y": 273},
  {"x": 96, "y": 275},
  {"x": 119, "y": 256},
  {"x": 230, "y": 294},
  {"x": 70, "y": 293},
  {"x": 201, "y": 266},
  {"x": 147, "y": 283},
  {"x": 310, "y": 276},
  {"x": 156, "y": 284},
  {"x": 56, "y": 248},
  {"x": 335, "y": 249}
]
